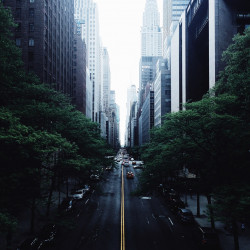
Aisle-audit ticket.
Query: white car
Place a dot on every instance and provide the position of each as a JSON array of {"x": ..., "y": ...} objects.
[
  {"x": 126, "y": 164},
  {"x": 78, "y": 194}
]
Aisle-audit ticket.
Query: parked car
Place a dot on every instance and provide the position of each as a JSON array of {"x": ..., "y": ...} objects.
[
  {"x": 130, "y": 175},
  {"x": 78, "y": 194},
  {"x": 207, "y": 238},
  {"x": 185, "y": 215},
  {"x": 47, "y": 235},
  {"x": 137, "y": 166},
  {"x": 94, "y": 177},
  {"x": 31, "y": 243},
  {"x": 86, "y": 188},
  {"x": 66, "y": 205},
  {"x": 133, "y": 162},
  {"x": 109, "y": 168},
  {"x": 44, "y": 240}
]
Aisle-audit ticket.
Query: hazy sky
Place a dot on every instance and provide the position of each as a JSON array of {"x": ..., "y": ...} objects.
[{"x": 120, "y": 24}]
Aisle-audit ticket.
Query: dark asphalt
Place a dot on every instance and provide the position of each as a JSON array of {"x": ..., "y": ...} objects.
[{"x": 148, "y": 223}]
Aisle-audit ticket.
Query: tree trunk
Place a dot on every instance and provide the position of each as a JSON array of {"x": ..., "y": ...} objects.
[
  {"x": 198, "y": 204},
  {"x": 50, "y": 195},
  {"x": 9, "y": 240},
  {"x": 236, "y": 235},
  {"x": 32, "y": 221},
  {"x": 211, "y": 211},
  {"x": 67, "y": 185}
]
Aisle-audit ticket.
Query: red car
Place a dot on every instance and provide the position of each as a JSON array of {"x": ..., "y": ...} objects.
[{"x": 130, "y": 175}]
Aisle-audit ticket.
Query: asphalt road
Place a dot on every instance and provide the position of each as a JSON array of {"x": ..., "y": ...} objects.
[{"x": 112, "y": 218}]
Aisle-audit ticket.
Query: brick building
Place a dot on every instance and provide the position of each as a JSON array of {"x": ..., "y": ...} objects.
[{"x": 45, "y": 36}]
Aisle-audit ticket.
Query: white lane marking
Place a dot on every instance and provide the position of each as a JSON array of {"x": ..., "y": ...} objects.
[
  {"x": 171, "y": 221},
  {"x": 170, "y": 226},
  {"x": 86, "y": 201},
  {"x": 147, "y": 220},
  {"x": 153, "y": 216}
]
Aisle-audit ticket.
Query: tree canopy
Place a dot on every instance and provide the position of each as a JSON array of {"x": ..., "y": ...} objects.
[{"x": 43, "y": 138}]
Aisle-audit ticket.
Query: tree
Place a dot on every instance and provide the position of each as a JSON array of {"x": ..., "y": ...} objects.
[{"x": 43, "y": 139}]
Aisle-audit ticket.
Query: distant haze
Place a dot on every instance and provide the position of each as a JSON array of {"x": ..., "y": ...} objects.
[{"x": 120, "y": 24}]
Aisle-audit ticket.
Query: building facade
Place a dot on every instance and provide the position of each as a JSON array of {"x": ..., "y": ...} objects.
[
  {"x": 113, "y": 122},
  {"x": 162, "y": 92},
  {"x": 131, "y": 98},
  {"x": 147, "y": 115},
  {"x": 87, "y": 11},
  {"x": 151, "y": 35},
  {"x": 45, "y": 34},
  {"x": 79, "y": 73},
  {"x": 204, "y": 31}
]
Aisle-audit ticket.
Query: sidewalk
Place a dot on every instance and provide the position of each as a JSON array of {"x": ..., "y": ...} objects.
[
  {"x": 226, "y": 239},
  {"x": 23, "y": 229}
]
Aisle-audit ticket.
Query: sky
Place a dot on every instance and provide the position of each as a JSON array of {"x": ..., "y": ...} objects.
[{"x": 120, "y": 24}]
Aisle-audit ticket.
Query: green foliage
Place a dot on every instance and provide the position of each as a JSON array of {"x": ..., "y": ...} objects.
[
  {"x": 232, "y": 202},
  {"x": 210, "y": 137},
  {"x": 7, "y": 222},
  {"x": 43, "y": 139}
]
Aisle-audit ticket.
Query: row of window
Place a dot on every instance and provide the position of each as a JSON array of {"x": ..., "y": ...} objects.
[
  {"x": 18, "y": 13},
  {"x": 19, "y": 1},
  {"x": 31, "y": 42}
]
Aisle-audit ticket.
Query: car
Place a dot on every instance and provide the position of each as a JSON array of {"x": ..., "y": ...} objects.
[
  {"x": 133, "y": 162},
  {"x": 86, "y": 188},
  {"x": 66, "y": 205},
  {"x": 185, "y": 215},
  {"x": 78, "y": 194},
  {"x": 47, "y": 236},
  {"x": 45, "y": 239},
  {"x": 132, "y": 159},
  {"x": 31, "y": 243},
  {"x": 126, "y": 164},
  {"x": 94, "y": 177},
  {"x": 130, "y": 175},
  {"x": 207, "y": 238},
  {"x": 137, "y": 167},
  {"x": 109, "y": 168}
]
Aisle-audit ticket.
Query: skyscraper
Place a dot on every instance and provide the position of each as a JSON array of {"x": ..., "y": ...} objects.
[
  {"x": 172, "y": 10},
  {"x": 151, "y": 51},
  {"x": 45, "y": 35},
  {"x": 87, "y": 11},
  {"x": 131, "y": 99},
  {"x": 105, "y": 80},
  {"x": 151, "y": 35}
]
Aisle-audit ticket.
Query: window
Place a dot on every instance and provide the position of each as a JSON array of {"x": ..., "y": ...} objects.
[
  {"x": 18, "y": 12},
  {"x": 31, "y": 42},
  {"x": 31, "y": 27},
  {"x": 31, "y": 12},
  {"x": 18, "y": 42},
  {"x": 31, "y": 56},
  {"x": 167, "y": 92}
]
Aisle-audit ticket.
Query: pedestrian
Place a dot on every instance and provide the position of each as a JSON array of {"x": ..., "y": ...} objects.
[{"x": 243, "y": 228}]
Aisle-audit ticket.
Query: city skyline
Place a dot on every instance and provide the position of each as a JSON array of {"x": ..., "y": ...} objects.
[{"x": 124, "y": 51}]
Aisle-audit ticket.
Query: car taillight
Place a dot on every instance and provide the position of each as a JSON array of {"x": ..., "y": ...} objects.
[{"x": 204, "y": 242}]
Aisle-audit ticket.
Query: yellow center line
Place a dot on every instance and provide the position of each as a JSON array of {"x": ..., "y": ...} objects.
[{"x": 122, "y": 214}]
